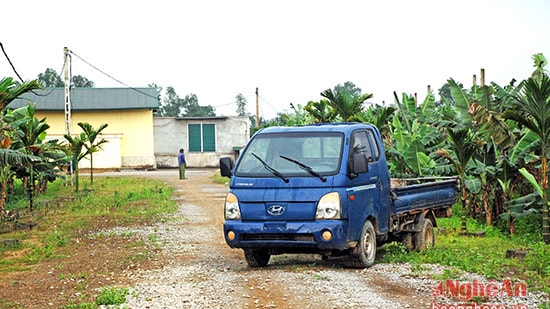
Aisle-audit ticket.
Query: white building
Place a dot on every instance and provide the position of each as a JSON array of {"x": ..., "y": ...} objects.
[{"x": 204, "y": 139}]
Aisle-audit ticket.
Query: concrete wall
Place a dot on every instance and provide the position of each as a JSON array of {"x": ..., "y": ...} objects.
[{"x": 171, "y": 134}]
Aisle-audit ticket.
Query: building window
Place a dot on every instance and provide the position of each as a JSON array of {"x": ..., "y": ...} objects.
[{"x": 202, "y": 137}]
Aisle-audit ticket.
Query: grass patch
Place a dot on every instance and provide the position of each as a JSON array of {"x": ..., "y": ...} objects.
[
  {"x": 112, "y": 296},
  {"x": 60, "y": 215},
  {"x": 220, "y": 179},
  {"x": 480, "y": 255}
]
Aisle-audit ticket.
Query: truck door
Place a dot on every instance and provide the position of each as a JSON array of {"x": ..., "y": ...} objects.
[{"x": 367, "y": 187}]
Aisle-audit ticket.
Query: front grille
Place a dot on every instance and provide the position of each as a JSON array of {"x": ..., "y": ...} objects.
[{"x": 285, "y": 237}]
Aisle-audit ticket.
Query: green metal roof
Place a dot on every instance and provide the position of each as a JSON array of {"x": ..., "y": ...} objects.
[{"x": 53, "y": 99}]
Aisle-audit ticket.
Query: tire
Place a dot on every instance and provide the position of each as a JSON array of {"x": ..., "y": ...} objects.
[
  {"x": 408, "y": 241},
  {"x": 425, "y": 238},
  {"x": 256, "y": 257},
  {"x": 364, "y": 253}
]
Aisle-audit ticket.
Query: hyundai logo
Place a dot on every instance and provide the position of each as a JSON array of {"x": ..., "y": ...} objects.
[{"x": 275, "y": 210}]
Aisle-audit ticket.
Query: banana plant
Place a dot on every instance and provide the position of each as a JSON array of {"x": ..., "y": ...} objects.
[
  {"x": 522, "y": 205},
  {"x": 29, "y": 134},
  {"x": 480, "y": 109},
  {"x": 414, "y": 137},
  {"x": 9, "y": 91}
]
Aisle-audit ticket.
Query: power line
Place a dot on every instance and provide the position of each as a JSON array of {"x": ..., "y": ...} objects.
[
  {"x": 111, "y": 77},
  {"x": 265, "y": 101},
  {"x": 9, "y": 61},
  {"x": 19, "y": 76},
  {"x": 222, "y": 105}
]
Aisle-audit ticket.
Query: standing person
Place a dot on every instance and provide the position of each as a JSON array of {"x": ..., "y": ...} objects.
[{"x": 181, "y": 163}]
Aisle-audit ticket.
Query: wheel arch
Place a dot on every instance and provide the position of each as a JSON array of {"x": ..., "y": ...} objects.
[{"x": 428, "y": 214}]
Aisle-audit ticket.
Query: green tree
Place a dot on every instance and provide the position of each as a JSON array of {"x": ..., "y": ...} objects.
[
  {"x": 321, "y": 111},
  {"x": 463, "y": 148},
  {"x": 50, "y": 78},
  {"x": 172, "y": 105},
  {"x": 80, "y": 81},
  {"x": 76, "y": 145},
  {"x": 92, "y": 145},
  {"x": 193, "y": 109},
  {"x": 158, "y": 112},
  {"x": 241, "y": 104},
  {"x": 531, "y": 109},
  {"x": 344, "y": 102},
  {"x": 349, "y": 86}
]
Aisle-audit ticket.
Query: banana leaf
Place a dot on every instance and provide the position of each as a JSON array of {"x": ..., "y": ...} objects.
[
  {"x": 531, "y": 179},
  {"x": 521, "y": 206},
  {"x": 462, "y": 103},
  {"x": 522, "y": 150}
]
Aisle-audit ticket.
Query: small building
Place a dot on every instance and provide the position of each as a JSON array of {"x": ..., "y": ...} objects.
[
  {"x": 204, "y": 139},
  {"x": 135, "y": 138},
  {"x": 128, "y": 112}
]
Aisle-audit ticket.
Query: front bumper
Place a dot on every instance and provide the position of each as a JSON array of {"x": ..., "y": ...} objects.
[{"x": 287, "y": 235}]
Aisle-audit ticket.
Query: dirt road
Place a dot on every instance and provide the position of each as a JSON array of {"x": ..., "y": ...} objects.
[{"x": 201, "y": 271}]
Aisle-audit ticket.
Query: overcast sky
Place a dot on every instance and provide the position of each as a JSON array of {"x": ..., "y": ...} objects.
[{"x": 290, "y": 50}]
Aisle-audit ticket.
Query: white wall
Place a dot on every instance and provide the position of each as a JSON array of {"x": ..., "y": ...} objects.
[{"x": 171, "y": 135}]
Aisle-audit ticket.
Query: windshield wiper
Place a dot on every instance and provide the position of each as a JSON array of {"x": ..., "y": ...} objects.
[
  {"x": 305, "y": 168},
  {"x": 269, "y": 168}
]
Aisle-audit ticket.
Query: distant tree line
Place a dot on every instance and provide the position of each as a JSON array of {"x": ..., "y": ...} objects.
[{"x": 170, "y": 104}]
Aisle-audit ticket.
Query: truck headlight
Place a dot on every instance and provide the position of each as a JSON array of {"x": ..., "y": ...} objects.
[
  {"x": 329, "y": 206},
  {"x": 232, "y": 210}
]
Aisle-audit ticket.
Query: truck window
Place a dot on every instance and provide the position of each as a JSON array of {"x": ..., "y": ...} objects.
[
  {"x": 374, "y": 145},
  {"x": 361, "y": 144},
  {"x": 321, "y": 152}
]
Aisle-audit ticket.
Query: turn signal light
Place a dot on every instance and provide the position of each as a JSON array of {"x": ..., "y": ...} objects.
[{"x": 327, "y": 235}]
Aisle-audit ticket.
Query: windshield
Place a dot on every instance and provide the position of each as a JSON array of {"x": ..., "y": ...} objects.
[{"x": 292, "y": 154}]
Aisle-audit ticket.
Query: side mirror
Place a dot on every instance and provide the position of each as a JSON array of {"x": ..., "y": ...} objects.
[
  {"x": 359, "y": 164},
  {"x": 226, "y": 166}
]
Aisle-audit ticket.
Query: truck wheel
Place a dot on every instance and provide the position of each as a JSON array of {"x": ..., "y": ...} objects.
[
  {"x": 364, "y": 253},
  {"x": 256, "y": 257},
  {"x": 425, "y": 238},
  {"x": 408, "y": 241}
]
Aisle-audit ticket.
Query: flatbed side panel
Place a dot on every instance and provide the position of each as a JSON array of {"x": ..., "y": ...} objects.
[{"x": 424, "y": 196}]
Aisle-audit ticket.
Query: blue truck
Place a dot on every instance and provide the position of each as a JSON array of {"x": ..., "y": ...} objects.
[{"x": 325, "y": 189}]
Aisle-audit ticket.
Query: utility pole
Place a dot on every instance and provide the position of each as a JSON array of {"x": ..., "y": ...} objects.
[
  {"x": 67, "y": 80},
  {"x": 257, "y": 110}
]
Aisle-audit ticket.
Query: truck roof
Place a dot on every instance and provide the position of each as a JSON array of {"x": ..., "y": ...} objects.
[{"x": 322, "y": 127}]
